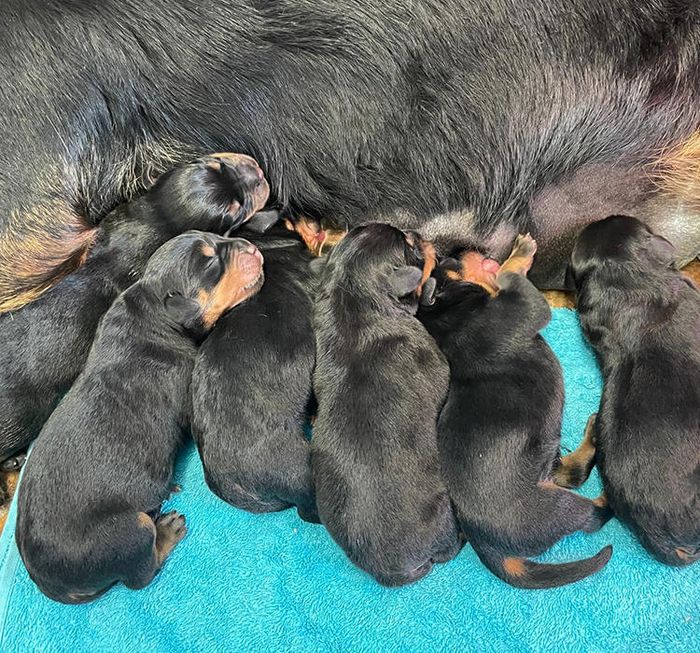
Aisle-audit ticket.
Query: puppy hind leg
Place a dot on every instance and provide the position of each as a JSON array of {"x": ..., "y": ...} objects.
[
  {"x": 574, "y": 469},
  {"x": 558, "y": 512},
  {"x": 153, "y": 542}
]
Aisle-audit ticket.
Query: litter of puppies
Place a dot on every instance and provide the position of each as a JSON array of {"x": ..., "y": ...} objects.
[{"x": 436, "y": 405}]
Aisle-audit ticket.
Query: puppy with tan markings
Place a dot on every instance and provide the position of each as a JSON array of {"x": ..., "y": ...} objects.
[
  {"x": 380, "y": 381},
  {"x": 499, "y": 431},
  {"x": 89, "y": 502},
  {"x": 44, "y": 345},
  {"x": 643, "y": 318}
]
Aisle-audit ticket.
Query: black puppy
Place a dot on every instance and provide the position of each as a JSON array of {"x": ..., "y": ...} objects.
[
  {"x": 499, "y": 431},
  {"x": 44, "y": 345},
  {"x": 89, "y": 501},
  {"x": 251, "y": 386},
  {"x": 380, "y": 381},
  {"x": 643, "y": 318}
]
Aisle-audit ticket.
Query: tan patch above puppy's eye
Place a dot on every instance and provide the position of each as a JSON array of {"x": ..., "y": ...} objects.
[{"x": 208, "y": 251}]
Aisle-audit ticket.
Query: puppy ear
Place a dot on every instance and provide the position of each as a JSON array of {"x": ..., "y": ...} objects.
[
  {"x": 427, "y": 295},
  {"x": 404, "y": 280},
  {"x": 263, "y": 220},
  {"x": 184, "y": 310},
  {"x": 662, "y": 249}
]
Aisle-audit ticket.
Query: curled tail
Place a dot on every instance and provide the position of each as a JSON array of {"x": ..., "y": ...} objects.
[{"x": 526, "y": 574}]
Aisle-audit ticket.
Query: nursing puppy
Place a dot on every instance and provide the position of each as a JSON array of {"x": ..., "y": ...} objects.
[
  {"x": 89, "y": 502},
  {"x": 643, "y": 318},
  {"x": 499, "y": 431},
  {"x": 44, "y": 345},
  {"x": 251, "y": 387},
  {"x": 380, "y": 381}
]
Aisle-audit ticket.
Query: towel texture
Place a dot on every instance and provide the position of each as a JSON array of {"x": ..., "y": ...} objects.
[{"x": 242, "y": 582}]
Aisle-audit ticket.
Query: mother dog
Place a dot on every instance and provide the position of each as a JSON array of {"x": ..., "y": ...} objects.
[{"x": 471, "y": 119}]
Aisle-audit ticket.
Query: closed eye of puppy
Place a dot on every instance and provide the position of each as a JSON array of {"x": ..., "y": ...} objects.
[
  {"x": 89, "y": 501},
  {"x": 380, "y": 381},
  {"x": 44, "y": 345},
  {"x": 499, "y": 431},
  {"x": 643, "y": 318},
  {"x": 251, "y": 386}
]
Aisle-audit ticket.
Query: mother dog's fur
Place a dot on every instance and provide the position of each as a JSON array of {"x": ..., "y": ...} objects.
[{"x": 355, "y": 108}]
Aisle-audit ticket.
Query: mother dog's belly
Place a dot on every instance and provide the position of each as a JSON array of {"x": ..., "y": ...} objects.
[{"x": 558, "y": 212}]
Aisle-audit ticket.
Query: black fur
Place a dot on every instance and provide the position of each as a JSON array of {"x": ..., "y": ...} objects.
[
  {"x": 379, "y": 381},
  {"x": 499, "y": 431},
  {"x": 251, "y": 387},
  {"x": 643, "y": 318},
  {"x": 103, "y": 462},
  {"x": 355, "y": 108},
  {"x": 43, "y": 346}
]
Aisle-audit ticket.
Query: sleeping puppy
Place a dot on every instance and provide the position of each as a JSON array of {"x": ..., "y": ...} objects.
[
  {"x": 380, "y": 381},
  {"x": 89, "y": 501},
  {"x": 44, "y": 345},
  {"x": 643, "y": 318},
  {"x": 251, "y": 386},
  {"x": 499, "y": 431}
]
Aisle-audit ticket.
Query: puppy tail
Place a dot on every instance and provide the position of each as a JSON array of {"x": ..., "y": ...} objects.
[{"x": 526, "y": 574}]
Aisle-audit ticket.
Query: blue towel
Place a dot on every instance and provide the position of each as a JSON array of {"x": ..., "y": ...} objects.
[{"x": 242, "y": 582}]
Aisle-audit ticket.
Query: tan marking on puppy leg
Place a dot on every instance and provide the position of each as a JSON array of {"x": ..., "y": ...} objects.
[
  {"x": 514, "y": 566},
  {"x": 145, "y": 520},
  {"x": 429, "y": 262},
  {"x": 170, "y": 530},
  {"x": 601, "y": 501},
  {"x": 521, "y": 257},
  {"x": 575, "y": 468}
]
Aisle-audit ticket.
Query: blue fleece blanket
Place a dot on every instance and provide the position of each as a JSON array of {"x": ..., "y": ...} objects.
[{"x": 242, "y": 582}]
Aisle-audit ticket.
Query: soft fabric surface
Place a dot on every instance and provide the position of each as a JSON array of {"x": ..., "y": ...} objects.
[{"x": 241, "y": 582}]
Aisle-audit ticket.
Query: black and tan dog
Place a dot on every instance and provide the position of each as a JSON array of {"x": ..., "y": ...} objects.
[
  {"x": 499, "y": 431},
  {"x": 643, "y": 318},
  {"x": 44, "y": 346},
  {"x": 380, "y": 381},
  {"x": 89, "y": 501},
  {"x": 252, "y": 383}
]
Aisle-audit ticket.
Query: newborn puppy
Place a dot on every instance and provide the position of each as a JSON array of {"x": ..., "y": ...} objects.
[
  {"x": 643, "y": 318},
  {"x": 89, "y": 501},
  {"x": 44, "y": 345},
  {"x": 499, "y": 431},
  {"x": 380, "y": 381},
  {"x": 251, "y": 387}
]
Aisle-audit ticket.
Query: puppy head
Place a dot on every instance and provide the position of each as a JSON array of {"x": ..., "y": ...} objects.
[
  {"x": 198, "y": 276},
  {"x": 218, "y": 192},
  {"x": 377, "y": 260},
  {"x": 618, "y": 242}
]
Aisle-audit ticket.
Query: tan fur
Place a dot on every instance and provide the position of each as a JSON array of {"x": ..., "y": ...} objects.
[
  {"x": 514, "y": 567},
  {"x": 677, "y": 171},
  {"x": 38, "y": 248},
  {"x": 229, "y": 292}
]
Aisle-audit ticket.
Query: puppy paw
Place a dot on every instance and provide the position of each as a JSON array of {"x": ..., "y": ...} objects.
[
  {"x": 522, "y": 255},
  {"x": 170, "y": 529},
  {"x": 525, "y": 246}
]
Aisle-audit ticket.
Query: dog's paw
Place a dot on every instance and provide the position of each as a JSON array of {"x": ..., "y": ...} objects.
[
  {"x": 525, "y": 246},
  {"x": 170, "y": 529}
]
